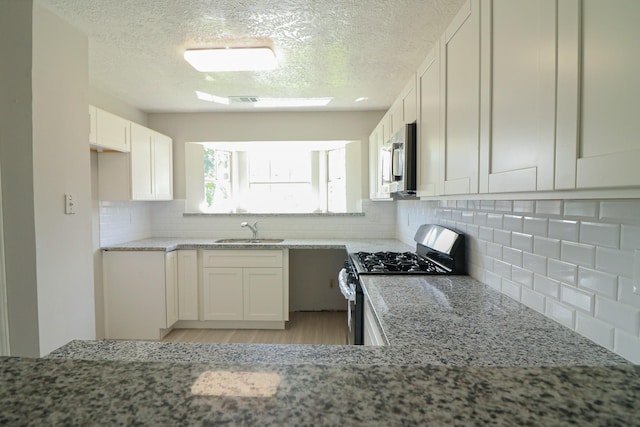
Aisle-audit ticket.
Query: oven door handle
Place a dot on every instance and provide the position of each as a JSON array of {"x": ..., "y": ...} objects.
[{"x": 346, "y": 289}]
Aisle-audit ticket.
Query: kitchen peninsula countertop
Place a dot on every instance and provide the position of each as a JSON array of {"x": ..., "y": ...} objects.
[{"x": 459, "y": 353}]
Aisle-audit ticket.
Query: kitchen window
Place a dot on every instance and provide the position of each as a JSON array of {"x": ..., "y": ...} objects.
[{"x": 271, "y": 177}]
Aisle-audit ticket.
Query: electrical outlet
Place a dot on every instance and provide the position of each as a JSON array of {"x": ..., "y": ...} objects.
[{"x": 69, "y": 204}]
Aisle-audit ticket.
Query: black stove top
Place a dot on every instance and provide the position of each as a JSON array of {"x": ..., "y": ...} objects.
[{"x": 395, "y": 263}]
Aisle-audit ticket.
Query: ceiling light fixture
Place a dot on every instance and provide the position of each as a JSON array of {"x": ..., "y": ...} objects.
[
  {"x": 362, "y": 98},
  {"x": 231, "y": 59},
  {"x": 204, "y": 96}
]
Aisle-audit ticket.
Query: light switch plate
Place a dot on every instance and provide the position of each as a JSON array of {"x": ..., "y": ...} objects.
[{"x": 69, "y": 204}]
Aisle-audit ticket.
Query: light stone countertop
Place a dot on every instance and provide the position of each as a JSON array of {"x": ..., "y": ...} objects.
[{"x": 459, "y": 353}]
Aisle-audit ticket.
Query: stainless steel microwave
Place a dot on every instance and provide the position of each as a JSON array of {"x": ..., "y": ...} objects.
[{"x": 398, "y": 163}]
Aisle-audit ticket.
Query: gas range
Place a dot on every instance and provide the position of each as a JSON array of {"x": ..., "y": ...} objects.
[{"x": 439, "y": 251}]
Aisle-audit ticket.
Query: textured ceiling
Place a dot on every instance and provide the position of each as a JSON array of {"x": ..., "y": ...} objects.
[{"x": 343, "y": 49}]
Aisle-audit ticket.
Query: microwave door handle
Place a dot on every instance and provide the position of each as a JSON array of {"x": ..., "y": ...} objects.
[{"x": 397, "y": 163}]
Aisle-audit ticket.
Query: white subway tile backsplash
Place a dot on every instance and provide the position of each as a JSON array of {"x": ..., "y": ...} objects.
[
  {"x": 513, "y": 222},
  {"x": 600, "y": 234},
  {"x": 512, "y": 256},
  {"x": 522, "y": 241},
  {"x": 560, "y": 313},
  {"x": 563, "y": 229},
  {"x": 549, "y": 207},
  {"x": 533, "y": 299},
  {"x": 522, "y": 276},
  {"x": 504, "y": 205},
  {"x": 577, "y": 298},
  {"x": 562, "y": 271},
  {"x": 625, "y": 292},
  {"x": 535, "y": 263},
  {"x": 546, "y": 247},
  {"x": 627, "y": 345},
  {"x": 617, "y": 314},
  {"x": 488, "y": 205},
  {"x": 579, "y": 253},
  {"x": 524, "y": 206},
  {"x": 493, "y": 280},
  {"x": 596, "y": 330},
  {"x": 486, "y": 233},
  {"x": 630, "y": 237},
  {"x": 581, "y": 208},
  {"x": 494, "y": 250},
  {"x": 511, "y": 289},
  {"x": 546, "y": 286},
  {"x": 536, "y": 226},
  {"x": 601, "y": 283},
  {"x": 502, "y": 269},
  {"x": 615, "y": 262},
  {"x": 494, "y": 220},
  {"x": 481, "y": 218},
  {"x": 502, "y": 237},
  {"x": 620, "y": 211}
]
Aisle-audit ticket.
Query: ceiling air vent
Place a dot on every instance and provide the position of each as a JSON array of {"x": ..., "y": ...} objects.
[{"x": 243, "y": 99}]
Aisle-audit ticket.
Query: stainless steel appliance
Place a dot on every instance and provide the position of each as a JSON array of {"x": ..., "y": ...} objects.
[
  {"x": 398, "y": 163},
  {"x": 439, "y": 251}
]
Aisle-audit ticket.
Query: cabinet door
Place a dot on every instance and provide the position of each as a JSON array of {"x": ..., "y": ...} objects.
[
  {"x": 263, "y": 294},
  {"x": 372, "y": 333},
  {"x": 518, "y": 95},
  {"x": 112, "y": 131},
  {"x": 171, "y": 287},
  {"x": 429, "y": 121},
  {"x": 141, "y": 163},
  {"x": 222, "y": 293},
  {"x": 461, "y": 73},
  {"x": 188, "y": 285},
  {"x": 410, "y": 102},
  {"x": 396, "y": 116},
  {"x": 607, "y": 64},
  {"x": 162, "y": 167}
]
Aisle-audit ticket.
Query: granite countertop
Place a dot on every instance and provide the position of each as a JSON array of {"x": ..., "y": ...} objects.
[
  {"x": 170, "y": 244},
  {"x": 459, "y": 353}
]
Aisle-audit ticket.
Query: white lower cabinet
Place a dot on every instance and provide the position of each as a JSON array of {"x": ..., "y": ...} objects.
[
  {"x": 372, "y": 333},
  {"x": 187, "y": 285},
  {"x": 140, "y": 293},
  {"x": 245, "y": 285}
]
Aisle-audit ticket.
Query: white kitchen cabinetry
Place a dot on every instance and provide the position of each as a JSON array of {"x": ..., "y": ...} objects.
[
  {"x": 598, "y": 94},
  {"x": 377, "y": 138},
  {"x": 247, "y": 285},
  {"x": 140, "y": 293},
  {"x": 372, "y": 333},
  {"x": 461, "y": 79},
  {"x": 108, "y": 131},
  {"x": 188, "y": 284},
  {"x": 146, "y": 173},
  {"x": 518, "y": 95},
  {"x": 430, "y": 142}
]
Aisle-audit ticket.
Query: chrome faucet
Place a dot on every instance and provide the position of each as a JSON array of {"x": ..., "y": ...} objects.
[{"x": 254, "y": 228}]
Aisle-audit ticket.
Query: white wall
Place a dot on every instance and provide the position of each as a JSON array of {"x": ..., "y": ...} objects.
[
  {"x": 572, "y": 260},
  {"x": 16, "y": 155},
  {"x": 279, "y": 126},
  {"x": 61, "y": 165}
]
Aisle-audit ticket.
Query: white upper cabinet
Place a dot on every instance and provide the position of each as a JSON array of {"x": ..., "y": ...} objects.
[
  {"x": 518, "y": 69},
  {"x": 146, "y": 173},
  {"x": 108, "y": 131},
  {"x": 600, "y": 52},
  {"x": 461, "y": 80},
  {"x": 410, "y": 102},
  {"x": 430, "y": 149}
]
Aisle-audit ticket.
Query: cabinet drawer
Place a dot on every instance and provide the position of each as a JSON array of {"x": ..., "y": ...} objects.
[{"x": 242, "y": 258}]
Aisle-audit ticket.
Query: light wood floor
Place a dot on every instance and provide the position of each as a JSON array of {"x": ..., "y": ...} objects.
[{"x": 302, "y": 328}]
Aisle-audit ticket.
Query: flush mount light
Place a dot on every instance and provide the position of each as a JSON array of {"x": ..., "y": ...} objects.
[
  {"x": 203, "y": 96},
  {"x": 231, "y": 59},
  {"x": 362, "y": 98}
]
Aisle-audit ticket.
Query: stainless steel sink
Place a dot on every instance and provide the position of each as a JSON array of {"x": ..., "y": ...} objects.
[{"x": 249, "y": 241}]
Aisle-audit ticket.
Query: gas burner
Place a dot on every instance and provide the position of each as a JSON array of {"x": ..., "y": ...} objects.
[{"x": 396, "y": 263}]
